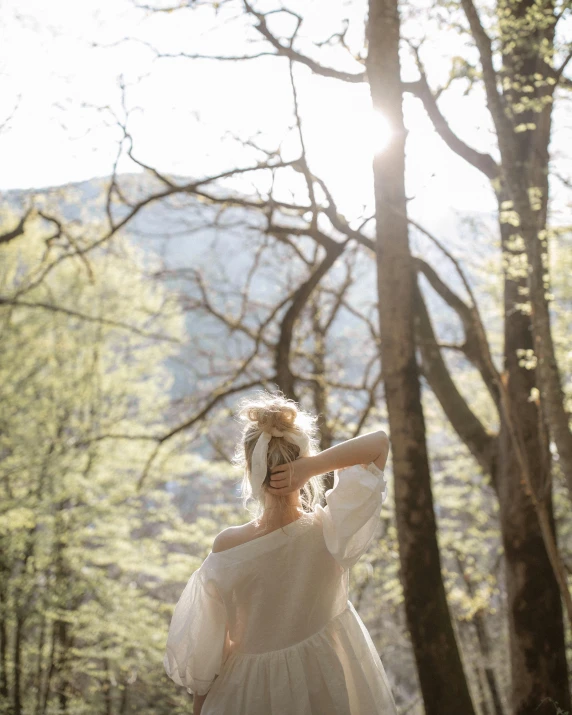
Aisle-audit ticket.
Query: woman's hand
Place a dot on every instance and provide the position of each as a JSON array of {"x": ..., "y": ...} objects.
[
  {"x": 290, "y": 477},
  {"x": 372, "y": 447}
]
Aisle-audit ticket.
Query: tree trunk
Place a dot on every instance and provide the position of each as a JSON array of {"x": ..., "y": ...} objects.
[
  {"x": 535, "y": 615},
  {"x": 549, "y": 382},
  {"x": 443, "y": 683},
  {"x": 319, "y": 385},
  {"x": 39, "y": 666},
  {"x": 17, "y": 696},
  {"x": 285, "y": 378},
  {"x": 50, "y": 671},
  {"x": 526, "y": 61},
  {"x": 537, "y": 645},
  {"x": 480, "y": 624},
  {"x": 62, "y": 665},
  {"x": 3, "y": 635},
  {"x": 521, "y": 112}
]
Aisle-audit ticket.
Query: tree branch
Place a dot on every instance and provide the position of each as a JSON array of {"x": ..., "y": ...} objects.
[
  {"x": 295, "y": 56},
  {"x": 495, "y": 99},
  {"x": 472, "y": 347},
  {"x": 481, "y": 443},
  {"x": 483, "y": 162},
  {"x": 284, "y": 377},
  {"x": 15, "y": 232},
  {"x": 88, "y": 318}
]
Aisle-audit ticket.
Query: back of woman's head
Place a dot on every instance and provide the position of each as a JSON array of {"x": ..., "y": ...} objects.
[{"x": 275, "y": 414}]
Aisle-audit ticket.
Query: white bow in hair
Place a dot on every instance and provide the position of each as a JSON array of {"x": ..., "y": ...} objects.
[{"x": 259, "y": 461}]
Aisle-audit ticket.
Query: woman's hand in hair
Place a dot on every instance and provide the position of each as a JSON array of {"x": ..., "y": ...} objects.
[
  {"x": 367, "y": 448},
  {"x": 290, "y": 477}
]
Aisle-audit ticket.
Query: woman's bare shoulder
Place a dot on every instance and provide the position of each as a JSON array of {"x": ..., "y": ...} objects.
[{"x": 232, "y": 536}]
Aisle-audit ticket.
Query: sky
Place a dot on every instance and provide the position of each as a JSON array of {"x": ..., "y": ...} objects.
[{"x": 62, "y": 65}]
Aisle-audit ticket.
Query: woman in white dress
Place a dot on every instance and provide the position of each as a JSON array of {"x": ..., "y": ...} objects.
[{"x": 265, "y": 626}]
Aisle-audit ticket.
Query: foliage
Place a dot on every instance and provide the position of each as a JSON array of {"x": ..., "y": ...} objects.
[{"x": 89, "y": 570}]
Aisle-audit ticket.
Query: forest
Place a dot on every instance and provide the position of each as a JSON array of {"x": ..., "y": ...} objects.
[{"x": 363, "y": 205}]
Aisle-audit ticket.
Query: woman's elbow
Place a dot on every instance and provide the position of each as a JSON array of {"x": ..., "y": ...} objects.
[{"x": 382, "y": 444}]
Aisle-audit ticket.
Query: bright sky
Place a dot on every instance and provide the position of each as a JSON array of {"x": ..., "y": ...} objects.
[{"x": 182, "y": 112}]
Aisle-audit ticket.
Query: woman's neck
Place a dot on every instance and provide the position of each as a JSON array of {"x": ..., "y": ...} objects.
[{"x": 274, "y": 516}]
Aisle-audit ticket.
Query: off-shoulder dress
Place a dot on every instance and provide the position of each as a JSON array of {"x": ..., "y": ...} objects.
[{"x": 267, "y": 628}]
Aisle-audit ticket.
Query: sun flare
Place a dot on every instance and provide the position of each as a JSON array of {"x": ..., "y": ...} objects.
[{"x": 375, "y": 132}]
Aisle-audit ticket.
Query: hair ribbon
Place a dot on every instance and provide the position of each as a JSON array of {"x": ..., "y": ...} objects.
[{"x": 259, "y": 459}]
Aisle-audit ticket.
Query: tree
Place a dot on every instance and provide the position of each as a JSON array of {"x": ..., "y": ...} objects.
[
  {"x": 537, "y": 642},
  {"x": 509, "y": 458},
  {"x": 519, "y": 98},
  {"x": 443, "y": 682},
  {"x": 80, "y": 617}
]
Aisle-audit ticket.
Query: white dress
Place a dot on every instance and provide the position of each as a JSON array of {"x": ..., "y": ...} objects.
[{"x": 272, "y": 619}]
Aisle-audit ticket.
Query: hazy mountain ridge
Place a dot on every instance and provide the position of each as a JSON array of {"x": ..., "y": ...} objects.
[{"x": 191, "y": 235}]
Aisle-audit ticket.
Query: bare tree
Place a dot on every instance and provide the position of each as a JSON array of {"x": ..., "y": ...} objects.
[{"x": 443, "y": 682}]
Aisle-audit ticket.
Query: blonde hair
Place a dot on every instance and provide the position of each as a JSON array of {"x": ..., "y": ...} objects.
[{"x": 265, "y": 412}]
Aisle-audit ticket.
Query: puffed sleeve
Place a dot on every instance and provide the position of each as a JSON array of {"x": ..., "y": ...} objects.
[
  {"x": 198, "y": 636},
  {"x": 351, "y": 515}
]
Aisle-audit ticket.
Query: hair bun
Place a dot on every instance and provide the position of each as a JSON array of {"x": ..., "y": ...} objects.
[
  {"x": 274, "y": 413},
  {"x": 268, "y": 412},
  {"x": 275, "y": 416}
]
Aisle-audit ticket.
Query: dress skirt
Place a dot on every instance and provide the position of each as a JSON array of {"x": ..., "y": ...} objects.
[{"x": 336, "y": 671}]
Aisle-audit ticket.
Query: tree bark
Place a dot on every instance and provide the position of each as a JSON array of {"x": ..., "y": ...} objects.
[
  {"x": 537, "y": 644},
  {"x": 285, "y": 378},
  {"x": 526, "y": 58},
  {"x": 441, "y": 676},
  {"x": 536, "y": 628},
  {"x": 319, "y": 386},
  {"x": 40, "y": 666},
  {"x": 17, "y": 694},
  {"x": 3, "y": 633},
  {"x": 480, "y": 623},
  {"x": 482, "y": 444},
  {"x": 522, "y": 115},
  {"x": 521, "y": 112}
]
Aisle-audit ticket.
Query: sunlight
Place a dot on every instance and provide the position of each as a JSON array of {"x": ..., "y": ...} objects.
[
  {"x": 342, "y": 140},
  {"x": 374, "y": 132},
  {"x": 354, "y": 129}
]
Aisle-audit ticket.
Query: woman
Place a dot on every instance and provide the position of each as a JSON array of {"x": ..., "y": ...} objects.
[{"x": 268, "y": 610}]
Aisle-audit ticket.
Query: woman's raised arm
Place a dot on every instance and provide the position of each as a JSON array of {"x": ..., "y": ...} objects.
[{"x": 372, "y": 447}]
